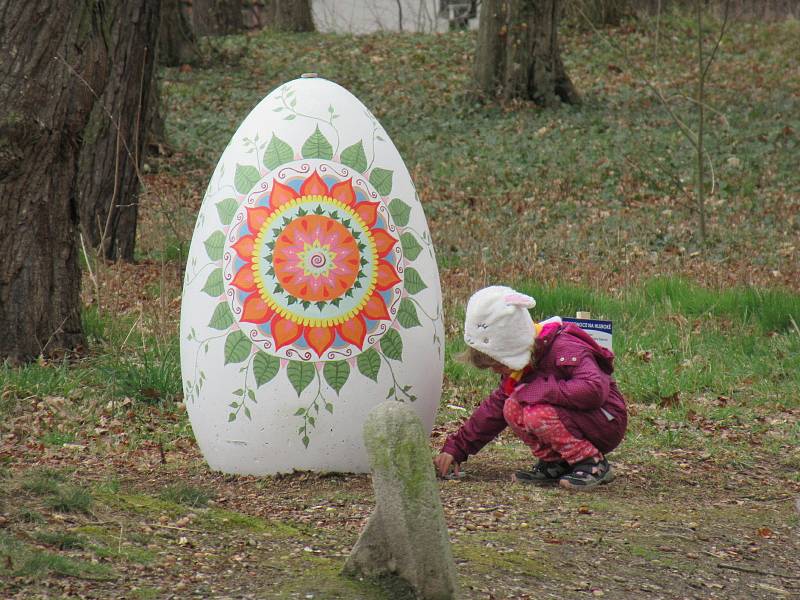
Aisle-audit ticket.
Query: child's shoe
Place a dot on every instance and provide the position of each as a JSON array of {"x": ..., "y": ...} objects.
[
  {"x": 587, "y": 474},
  {"x": 544, "y": 473}
]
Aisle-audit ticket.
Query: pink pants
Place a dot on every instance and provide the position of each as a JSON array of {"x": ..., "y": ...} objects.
[{"x": 539, "y": 426}]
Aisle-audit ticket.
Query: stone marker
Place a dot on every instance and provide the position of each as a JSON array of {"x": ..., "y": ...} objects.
[{"x": 406, "y": 536}]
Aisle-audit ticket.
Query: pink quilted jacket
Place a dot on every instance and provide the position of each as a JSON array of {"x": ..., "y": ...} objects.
[{"x": 571, "y": 373}]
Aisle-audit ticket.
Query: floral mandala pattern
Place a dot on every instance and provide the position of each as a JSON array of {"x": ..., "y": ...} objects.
[{"x": 313, "y": 263}]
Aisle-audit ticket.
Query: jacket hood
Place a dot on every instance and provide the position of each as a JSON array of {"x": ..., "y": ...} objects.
[{"x": 604, "y": 357}]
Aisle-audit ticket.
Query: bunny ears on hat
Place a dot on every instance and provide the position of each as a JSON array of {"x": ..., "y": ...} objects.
[{"x": 499, "y": 325}]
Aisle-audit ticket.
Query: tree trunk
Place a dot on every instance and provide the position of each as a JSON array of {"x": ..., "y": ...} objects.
[
  {"x": 518, "y": 54},
  {"x": 177, "y": 44},
  {"x": 114, "y": 139},
  {"x": 289, "y": 15},
  {"x": 490, "y": 55},
  {"x": 47, "y": 47},
  {"x": 217, "y": 17}
]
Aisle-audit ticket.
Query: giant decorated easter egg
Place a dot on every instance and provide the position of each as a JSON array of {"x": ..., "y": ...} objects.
[{"x": 311, "y": 291}]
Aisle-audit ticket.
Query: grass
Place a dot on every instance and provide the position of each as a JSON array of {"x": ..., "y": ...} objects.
[
  {"x": 616, "y": 162},
  {"x": 18, "y": 559},
  {"x": 58, "y": 495},
  {"x": 701, "y": 367},
  {"x": 43, "y": 482},
  {"x": 60, "y": 540},
  {"x": 150, "y": 375},
  {"x": 71, "y": 499},
  {"x": 185, "y": 494},
  {"x": 27, "y": 515}
]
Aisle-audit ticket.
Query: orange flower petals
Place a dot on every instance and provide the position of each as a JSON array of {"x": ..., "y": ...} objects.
[
  {"x": 280, "y": 195},
  {"x": 387, "y": 277},
  {"x": 244, "y": 247},
  {"x": 368, "y": 211},
  {"x": 255, "y": 310},
  {"x": 314, "y": 186},
  {"x": 383, "y": 241},
  {"x": 320, "y": 338},
  {"x": 375, "y": 308},
  {"x": 285, "y": 331},
  {"x": 256, "y": 217},
  {"x": 344, "y": 193},
  {"x": 244, "y": 279},
  {"x": 353, "y": 331}
]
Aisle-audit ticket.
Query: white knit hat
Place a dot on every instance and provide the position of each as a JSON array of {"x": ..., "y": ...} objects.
[{"x": 499, "y": 325}]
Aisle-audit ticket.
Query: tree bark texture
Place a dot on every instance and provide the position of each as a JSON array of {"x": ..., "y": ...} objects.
[
  {"x": 114, "y": 139},
  {"x": 518, "y": 54},
  {"x": 217, "y": 17},
  {"x": 289, "y": 15},
  {"x": 46, "y": 48},
  {"x": 177, "y": 43}
]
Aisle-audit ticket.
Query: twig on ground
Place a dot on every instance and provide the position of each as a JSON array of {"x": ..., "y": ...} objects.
[
  {"x": 756, "y": 571},
  {"x": 175, "y": 527}
]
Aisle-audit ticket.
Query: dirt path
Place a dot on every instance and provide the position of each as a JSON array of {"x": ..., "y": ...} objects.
[{"x": 699, "y": 530}]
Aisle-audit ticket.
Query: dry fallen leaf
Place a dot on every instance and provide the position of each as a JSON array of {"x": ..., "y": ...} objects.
[
  {"x": 765, "y": 532},
  {"x": 672, "y": 400}
]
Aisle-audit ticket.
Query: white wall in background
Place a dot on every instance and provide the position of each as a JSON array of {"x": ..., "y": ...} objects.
[{"x": 368, "y": 16}]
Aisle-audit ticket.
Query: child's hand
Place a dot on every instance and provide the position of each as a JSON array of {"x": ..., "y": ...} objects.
[{"x": 443, "y": 462}]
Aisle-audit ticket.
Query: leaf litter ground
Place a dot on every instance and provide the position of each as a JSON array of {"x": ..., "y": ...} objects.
[{"x": 680, "y": 525}]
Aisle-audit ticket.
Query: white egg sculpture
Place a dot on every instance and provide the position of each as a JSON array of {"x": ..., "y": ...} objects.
[{"x": 311, "y": 291}]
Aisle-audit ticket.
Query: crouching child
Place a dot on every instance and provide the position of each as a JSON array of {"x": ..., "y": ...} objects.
[{"x": 556, "y": 392}]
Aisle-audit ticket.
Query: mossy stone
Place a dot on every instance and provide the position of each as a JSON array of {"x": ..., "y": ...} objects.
[{"x": 406, "y": 536}]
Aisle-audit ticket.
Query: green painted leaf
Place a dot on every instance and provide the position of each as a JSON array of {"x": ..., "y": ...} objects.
[
  {"x": 247, "y": 413},
  {"x": 214, "y": 245},
  {"x": 381, "y": 180},
  {"x": 413, "y": 282},
  {"x": 265, "y": 367},
  {"x": 277, "y": 153},
  {"x": 317, "y": 146},
  {"x": 245, "y": 178},
  {"x": 300, "y": 374},
  {"x": 237, "y": 347},
  {"x": 222, "y": 317},
  {"x": 411, "y": 247},
  {"x": 336, "y": 373},
  {"x": 369, "y": 363},
  {"x": 392, "y": 345},
  {"x": 214, "y": 286},
  {"x": 226, "y": 209},
  {"x": 231, "y": 417},
  {"x": 407, "y": 314},
  {"x": 354, "y": 156},
  {"x": 400, "y": 211}
]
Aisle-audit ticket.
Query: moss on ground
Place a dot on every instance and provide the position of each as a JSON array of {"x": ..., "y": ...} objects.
[
  {"x": 500, "y": 551},
  {"x": 322, "y": 577},
  {"x": 219, "y": 520}
]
